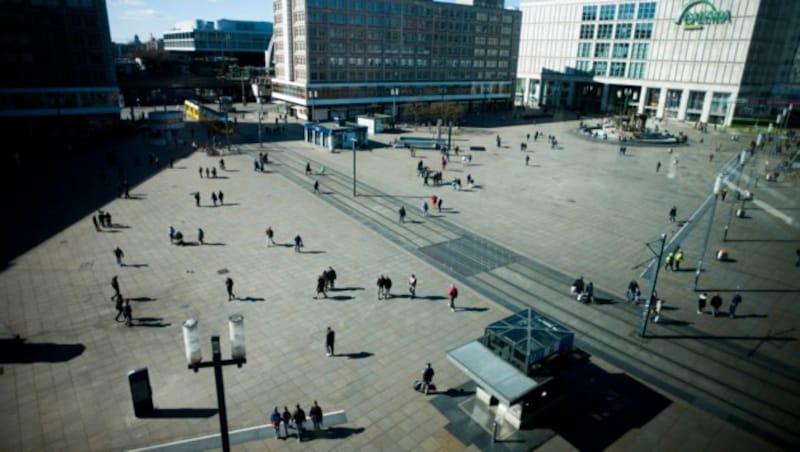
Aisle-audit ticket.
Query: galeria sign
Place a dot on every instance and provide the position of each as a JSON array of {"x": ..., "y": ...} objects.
[{"x": 694, "y": 18}]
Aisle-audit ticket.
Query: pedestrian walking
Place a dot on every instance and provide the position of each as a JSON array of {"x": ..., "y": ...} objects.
[
  {"x": 723, "y": 193},
  {"x": 119, "y": 254},
  {"x": 387, "y": 287},
  {"x": 275, "y": 420},
  {"x": 678, "y": 258},
  {"x": 308, "y": 168},
  {"x": 434, "y": 200},
  {"x": 197, "y": 199},
  {"x": 171, "y": 232},
  {"x": 633, "y": 293},
  {"x": 797, "y": 258},
  {"x": 330, "y": 277},
  {"x": 286, "y": 417},
  {"x": 452, "y": 294},
  {"x": 201, "y": 236},
  {"x": 200, "y": 170},
  {"x": 127, "y": 313},
  {"x": 316, "y": 186},
  {"x": 299, "y": 417},
  {"x": 315, "y": 413},
  {"x": 427, "y": 378},
  {"x": 214, "y": 198},
  {"x": 298, "y": 243},
  {"x": 439, "y": 205},
  {"x": 380, "y": 285},
  {"x": 673, "y": 212},
  {"x": 229, "y": 288},
  {"x": 220, "y": 196},
  {"x": 669, "y": 261},
  {"x": 208, "y": 173},
  {"x": 701, "y": 302},
  {"x": 321, "y": 286},
  {"x": 734, "y": 303},
  {"x": 330, "y": 338},
  {"x": 527, "y": 159},
  {"x": 424, "y": 209},
  {"x": 96, "y": 225},
  {"x": 115, "y": 284},
  {"x": 412, "y": 286},
  {"x": 401, "y": 213},
  {"x": 658, "y": 166},
  {"x": 214, "y": 172},
  {"x": 656, "y": 310},
  {"x": 221, "y": 164},
  {"x": 716, "y": 303},
  {"x": 119, "y": 305},
  {"x": 270, "y": 236}
]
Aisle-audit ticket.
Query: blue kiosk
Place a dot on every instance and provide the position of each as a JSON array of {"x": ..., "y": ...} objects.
[{"x": 336, "y": 135}]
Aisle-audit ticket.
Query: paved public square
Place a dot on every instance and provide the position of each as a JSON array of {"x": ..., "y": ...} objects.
[{"x": 581, "y": 209}]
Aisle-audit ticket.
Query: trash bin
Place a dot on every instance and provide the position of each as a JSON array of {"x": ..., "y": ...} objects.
[{"x": 141, "y": 392}]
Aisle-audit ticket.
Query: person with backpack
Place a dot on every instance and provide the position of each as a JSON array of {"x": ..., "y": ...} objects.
[{"x": 452, "y": 294}]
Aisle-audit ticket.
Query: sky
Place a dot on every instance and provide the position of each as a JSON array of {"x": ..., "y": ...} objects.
[{"x": 145, "y": 18}]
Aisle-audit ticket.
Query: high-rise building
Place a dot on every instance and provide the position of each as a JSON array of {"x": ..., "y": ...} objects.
[
  {"x": 342, "y": 57},
  {"x": 58, "y": 72},
  {"x": 715, "y": 61}
]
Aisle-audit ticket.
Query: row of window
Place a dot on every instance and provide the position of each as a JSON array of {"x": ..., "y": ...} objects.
[
  {"x": 626, "y": 11},
  {"x": 617, "y": 68},
  {"x": 643, "y": 30},
  {"x": 400, "y": 75},
  {"x": 402, "y": 62},
  {"x": 407, "y": 9},
  {"x": 636, "y": 51}
]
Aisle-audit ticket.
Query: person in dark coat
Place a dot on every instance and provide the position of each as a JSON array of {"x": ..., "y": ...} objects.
[
  {"x": 286, "y": 417},
  {"x": 427, "y": 378},
  {"x": 275, "y": 420},
  {"x": 299, "y": 418},
  {"x": 716, "y": 303},
  {"x": 330, "y": 337},
  {"x": 330, "y": 276},
  {"x": 229, "y": 287},
  {"x": 321, "y": 281},
  {"x": 315, "y": 413}
]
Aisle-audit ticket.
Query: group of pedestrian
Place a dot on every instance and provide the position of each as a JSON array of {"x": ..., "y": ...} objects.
[
  {"x": 673, "y": 260},
  {"x": 296, "y": 420},
  {"x": 102, "y": 219},
  {"x": 384, "y": 287},
  {"x": 211, "y": 173},
  {"x": 122, "y": 305},
  {"x": 716, "y": 304}
]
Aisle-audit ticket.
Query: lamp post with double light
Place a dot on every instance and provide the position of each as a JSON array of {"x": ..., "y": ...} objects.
[
  {"x": 312, "y": 96},
  {"x": 191, "y": 342},
  {"x": 394, "y": 92}
]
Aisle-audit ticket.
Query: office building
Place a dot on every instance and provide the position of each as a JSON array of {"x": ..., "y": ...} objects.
[
  {"x": 341, "y": 58},
  {"x": 237, "y": 41},
  {"x": 58, "y": 71},
  {"x": 715, "y": 61}
]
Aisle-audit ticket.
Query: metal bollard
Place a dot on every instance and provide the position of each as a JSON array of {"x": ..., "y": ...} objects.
[
  {"x": 725, "y": 234},
  {"x": 494, "y": 431}
]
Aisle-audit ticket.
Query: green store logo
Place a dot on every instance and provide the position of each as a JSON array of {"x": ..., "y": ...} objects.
[{"x": 694, "y": 19}]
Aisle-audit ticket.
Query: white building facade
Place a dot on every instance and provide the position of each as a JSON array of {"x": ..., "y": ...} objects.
[{"x": 712, "y": 61}]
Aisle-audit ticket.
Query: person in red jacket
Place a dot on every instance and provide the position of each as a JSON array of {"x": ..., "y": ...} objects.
[{"x": 452, "y": 294}]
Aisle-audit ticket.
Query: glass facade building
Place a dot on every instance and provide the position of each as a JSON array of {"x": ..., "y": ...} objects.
[{"x": 718, "y": 62}]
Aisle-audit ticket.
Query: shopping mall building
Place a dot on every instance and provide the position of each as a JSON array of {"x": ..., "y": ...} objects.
[{"x": 714, "y": 61}]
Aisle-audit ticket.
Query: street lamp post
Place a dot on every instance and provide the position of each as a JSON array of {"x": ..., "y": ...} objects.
[
  {"x": 394, "y": 92},
  {"x": 627, "y": 93},
  {"x": 260, "y": 114},
  {"x": 191, "y": 341},
  {"x": 312, "y": 95}
]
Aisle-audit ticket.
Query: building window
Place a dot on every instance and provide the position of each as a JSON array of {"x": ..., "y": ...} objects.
[
  {"x": 636, "y": 70},
  {"x": 626, "y": 11},
  {"x": 720, "y": 103},
  {"x": 620, "y": 50},
  {"x": 643, "y": 31},
  {"x": 673, "y": 99},
  {"x": 600, "y": 68},
  {"x": 617, "y": 69},
  {"x": 624, "y": 31},
  {"x": 607, "y": 12},
  {"x": 584, "y": 49},
  {"x": 583, "y": 66},
  {"x": 640, "y": 51},
  {"x": 587, "y": 31},
  {"x": 589, "y": 12},
  {"x": 647, "y": 10},
  {"x": 605, "y": 31},
  {"x": 601, "y": 50},
  {"x": 696, "y": 99}
]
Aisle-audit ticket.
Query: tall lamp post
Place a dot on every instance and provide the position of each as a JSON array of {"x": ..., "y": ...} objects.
[
  {"x": 627, "y": 93},
  {"x": 312, "y": 95},
  {"x": 394, "y": 92},
  {"x": 260, "y": 114},
  {"x": 191, "y": 342}
]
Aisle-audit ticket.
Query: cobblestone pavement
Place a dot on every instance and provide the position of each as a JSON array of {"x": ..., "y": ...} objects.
[{"x": 582, "y": 209}]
